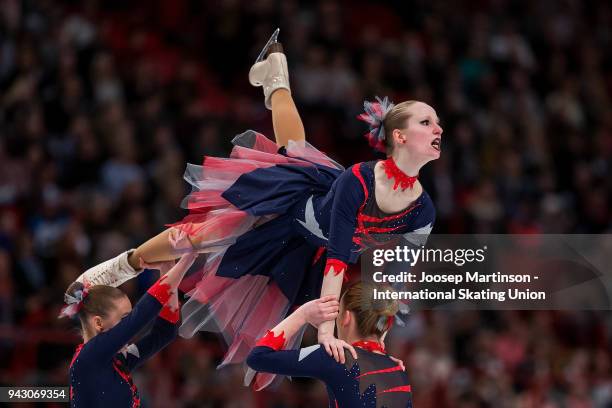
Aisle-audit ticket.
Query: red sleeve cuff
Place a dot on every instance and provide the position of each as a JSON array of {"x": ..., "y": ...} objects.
[
  {"x": 170, "y": 315},
  {"x": 275, "y": 343},
  {"x": 339, "y": 267},
  {"x": 160, "y": 290}
]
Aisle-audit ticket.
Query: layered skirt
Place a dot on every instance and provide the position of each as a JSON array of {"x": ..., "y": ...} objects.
[{"x": 255, "y": 264}]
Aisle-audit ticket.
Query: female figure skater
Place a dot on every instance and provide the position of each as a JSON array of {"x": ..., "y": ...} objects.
[
  {"x": 279, "y": 222},
  {"x": 372, "y": 380},
  {"x": 101, "y": 366}
]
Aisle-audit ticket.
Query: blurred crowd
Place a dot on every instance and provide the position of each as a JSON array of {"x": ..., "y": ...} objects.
[{"x": 103, "y": 102}]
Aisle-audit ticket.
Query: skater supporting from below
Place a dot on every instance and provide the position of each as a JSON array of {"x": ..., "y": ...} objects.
[
  {"x": 372, "y": 380},
  {"x": 100, "y": 371}
]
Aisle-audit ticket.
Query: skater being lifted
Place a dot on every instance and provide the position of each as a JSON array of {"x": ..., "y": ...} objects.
[{"x": 276, "y": 224}]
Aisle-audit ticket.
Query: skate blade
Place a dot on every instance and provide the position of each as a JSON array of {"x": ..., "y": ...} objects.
[{"x": 272, "y": 40}]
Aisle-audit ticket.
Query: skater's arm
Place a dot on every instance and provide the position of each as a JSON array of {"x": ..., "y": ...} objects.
[
  {"x": 311, "y": 361},
  {"x": 163, "y": 332},
  {"x": 314, "y": 312},
  {"x": 348, "y": 198},
  {"x": 166, "y": 325},
  {"x": 268, "y": 355},
  {"x": 106, "y": 344}
]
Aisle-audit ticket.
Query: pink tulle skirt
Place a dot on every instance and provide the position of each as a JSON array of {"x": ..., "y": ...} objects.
[{"x": 240, "y": 308}]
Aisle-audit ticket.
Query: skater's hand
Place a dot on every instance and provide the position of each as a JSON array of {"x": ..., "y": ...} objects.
[
  {"x": 398, "y": 362},
  {"x": 335, "y": 347},
  {"x": 395, "y": 360},
  {"x": 320, "y": 310},
  {"x": 173, "y": 303}
]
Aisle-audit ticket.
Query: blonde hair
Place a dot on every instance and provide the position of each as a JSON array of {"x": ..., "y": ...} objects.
[
  {"x": 372, "y": 315},
  {"x": 396, "y": 118}
]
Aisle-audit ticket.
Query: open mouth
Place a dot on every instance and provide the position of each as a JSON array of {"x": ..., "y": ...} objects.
[{"x": 437, "y": 144}]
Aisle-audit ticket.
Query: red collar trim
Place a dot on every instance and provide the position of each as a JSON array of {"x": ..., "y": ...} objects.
[
  {"x": 402, "y": 180},
  {"x": 370, "y": 346}
]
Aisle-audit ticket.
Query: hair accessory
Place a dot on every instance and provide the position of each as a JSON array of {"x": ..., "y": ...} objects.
[
  {"x": 385, "y": 323},
  {"x": 403, "y": 310},
  {"x": 401, "y": 179},
  {"x": 73, "y": 303},
  {"x": 374, "y": 115},
  {"x": 390, "y": 320}
]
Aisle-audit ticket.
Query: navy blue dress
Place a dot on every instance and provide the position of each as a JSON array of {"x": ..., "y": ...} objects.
[
  {"x": 100, "y": 369},
  {"x": 270, "y": 223},
  {"x": 371, "y": 381}
]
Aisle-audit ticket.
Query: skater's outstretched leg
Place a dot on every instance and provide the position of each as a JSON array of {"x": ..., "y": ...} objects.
[{"x": 273, "y": 76}]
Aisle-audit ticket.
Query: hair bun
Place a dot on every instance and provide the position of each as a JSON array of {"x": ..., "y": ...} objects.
[
  {"x": 386, "y": 307},
  {"x": 374, "y": 316}
]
